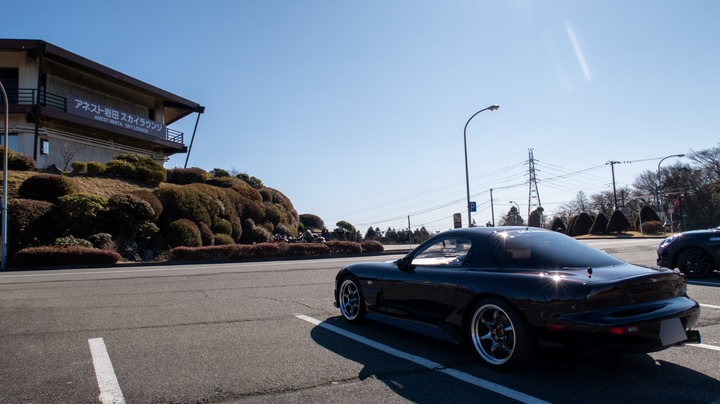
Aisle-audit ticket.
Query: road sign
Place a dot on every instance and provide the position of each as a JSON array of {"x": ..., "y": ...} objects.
[
  {"x": 473, "y": 207},
  {"x": 457, "y": 220},
  {"x": 676, "y": 202},
  {"x": 671, "y": 210}
]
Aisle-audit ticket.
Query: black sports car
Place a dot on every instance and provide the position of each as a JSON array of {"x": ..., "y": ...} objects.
[
  {"x": 511, "y": 290},
  {"x": 696, "y": 253}
]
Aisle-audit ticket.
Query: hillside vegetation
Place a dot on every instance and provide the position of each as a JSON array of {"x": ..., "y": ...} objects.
[{"x": 133, "y": 206}]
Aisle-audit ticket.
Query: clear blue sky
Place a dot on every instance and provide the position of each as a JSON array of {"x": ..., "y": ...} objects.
[{"x": 355, "y": 110}]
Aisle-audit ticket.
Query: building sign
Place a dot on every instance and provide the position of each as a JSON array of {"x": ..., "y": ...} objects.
[{"x": 101, "y": 113}]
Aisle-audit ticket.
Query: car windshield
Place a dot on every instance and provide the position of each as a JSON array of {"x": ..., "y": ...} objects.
[{"x": 532, "y": 249}]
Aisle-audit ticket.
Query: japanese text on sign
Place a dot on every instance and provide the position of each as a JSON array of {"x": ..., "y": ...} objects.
[{"x": 101, "y": 113}]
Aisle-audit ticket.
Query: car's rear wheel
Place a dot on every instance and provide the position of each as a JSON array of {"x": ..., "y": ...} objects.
[
  {"x": 499, "y": 335},
  {"x": 351, "y": 300},
  {"x": 695, "y": 263}
]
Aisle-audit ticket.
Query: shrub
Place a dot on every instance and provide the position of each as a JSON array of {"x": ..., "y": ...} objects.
[
  {"x": 120, "y": 168},
  {"x": 266, "y": 195},
  {"x": 17, "y": 161},
  {"x": 344, "y": 247},
  {"x": 252, "y": 181},
  {"x": 618, "y": 222},
  {"x": 100, "y": 240},
  {"x": 185, "y": 176},
  {"x": 647, "y": 214},
  {"x": 78, "y": 167},
  {"x": 32, "y": 222},
  {"x": 223, "y": 239},
  {"x": 254, "y": 234},
  {"x": 248, "y": 192},
  {"x": 46, "y": 187},
  {"x": 183, "y": 232},
  {"x": 599, "y": 225},
  {"x": 150, "y": 198},
  {"x": 53, "y": 255},
  {"x": 222, "y": 226},
  {"x": 95, "y": 169},
  {"x": 653, "y": 227},
  {"x": 372, "y": 246},
  {"x": 205, "y": 234},
  {"x": 312, "y": 221},
  {"x": 225, "y": 252},
  {"x": 304, "y": 249},
  {"x": 219, "y": 172},
  {"x": 582, "y": 224},
  {"x": 71, "y": 241},
  {"x": 144, "y": 168},
  {"x": 82, "y": 207},
  {"x": 557, "y": 224},
  {"x": 133, "y": 205}
]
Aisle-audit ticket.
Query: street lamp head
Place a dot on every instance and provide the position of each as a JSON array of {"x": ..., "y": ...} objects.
[{"x": 493, "y": 107}]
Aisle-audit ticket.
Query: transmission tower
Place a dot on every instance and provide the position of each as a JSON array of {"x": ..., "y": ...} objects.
[{"x": 533, "y": 193}]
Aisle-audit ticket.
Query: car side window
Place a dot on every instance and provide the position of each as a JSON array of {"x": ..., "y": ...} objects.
[{"x": 446, "y": 252}]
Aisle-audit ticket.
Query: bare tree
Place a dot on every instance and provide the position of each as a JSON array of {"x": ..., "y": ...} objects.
[
  {"x": 709, "y": 159},
  {"x": 68, "y": 152}
]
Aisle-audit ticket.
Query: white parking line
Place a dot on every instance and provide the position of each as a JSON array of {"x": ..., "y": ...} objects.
[
  {"x": 710, "y": 306},
  {"x": 110, "y": 392},
  {"x": 706, "y": 346},
  {"x": 494, "y": 387}
]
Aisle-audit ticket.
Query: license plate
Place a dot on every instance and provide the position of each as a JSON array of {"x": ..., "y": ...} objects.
[{"x": 672, "y": 332}]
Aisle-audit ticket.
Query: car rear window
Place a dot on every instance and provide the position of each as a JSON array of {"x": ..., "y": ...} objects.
[{"x": 534, "y": 249}]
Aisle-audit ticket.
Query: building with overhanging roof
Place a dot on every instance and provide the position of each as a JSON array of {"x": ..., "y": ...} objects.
[{"x": 64, "y": 107}]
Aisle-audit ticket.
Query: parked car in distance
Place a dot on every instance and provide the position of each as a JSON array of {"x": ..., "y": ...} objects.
[
  {"x": 510, "y": 291},
  {"x": 695, "y": 253}
]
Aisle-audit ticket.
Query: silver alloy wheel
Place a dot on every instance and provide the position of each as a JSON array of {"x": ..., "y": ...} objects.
[
  {"x": 493, "y": 334},
  {"x": 349, "y": 299}
]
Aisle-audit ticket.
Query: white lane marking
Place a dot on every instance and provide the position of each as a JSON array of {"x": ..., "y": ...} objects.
[
  {"x": 494, "y": 387},
  {"x": 710, "y": 306},
  {"x": 110, "y": 392},
  {"x": 706, "y": 346}
]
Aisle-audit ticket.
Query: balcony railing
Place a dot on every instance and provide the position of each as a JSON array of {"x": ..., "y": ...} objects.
[{"x": 28, "y": 96}]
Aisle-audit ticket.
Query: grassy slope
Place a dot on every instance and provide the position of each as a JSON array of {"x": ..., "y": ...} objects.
[{"x": 103, "y": 186}]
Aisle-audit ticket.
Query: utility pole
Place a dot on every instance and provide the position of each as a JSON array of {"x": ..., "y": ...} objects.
[
  {"x": 492, "y": 208},
  {"x": 533, "y": 192},
  {"x": 612, "y": 168},
  {"x": 409, "y": 232}
]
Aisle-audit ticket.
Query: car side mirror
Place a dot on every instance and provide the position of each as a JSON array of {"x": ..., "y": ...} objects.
[{"x": 403, "y": 264}]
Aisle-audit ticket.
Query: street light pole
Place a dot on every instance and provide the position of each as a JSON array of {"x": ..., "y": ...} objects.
[
  {"x": 6, "y": 151},
  {"x": 467, "y": 177},
  {"x": 657, "y": 184}
]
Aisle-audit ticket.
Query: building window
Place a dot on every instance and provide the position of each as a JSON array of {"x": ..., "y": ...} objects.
[
  {"x": 44, "y": 147},
  {"x": 12, "y": 140},
  {"x": 9, "y": 79}
]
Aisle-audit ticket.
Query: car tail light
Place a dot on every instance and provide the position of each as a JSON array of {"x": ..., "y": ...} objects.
[
  {"x": 625, "y": 330},
  {"x": 555, "y": 327},
  {"x": 605, "y": 294}
]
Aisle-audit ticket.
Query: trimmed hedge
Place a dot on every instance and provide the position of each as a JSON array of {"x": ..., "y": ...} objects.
[
  {"x": 183, "y": 232},
  {"x": 71, "y": 241},
  {"x": 223, "y": 239},
  {"x": 17, "y": 161},
  {"x": 184, "y": 176},
  {"x": 303, "y": 249},
  {"x": 618, "y": 222},
  {"x": 372, "y": 246},
  {"x": 599, "y": 225},
  {"x": 653, "y": 227},
  {"x": 206, "y": 234},
  {"x": 52, "y": 256},
  {"x": 558, "y": 224},
  {"x": 46, "y": 187},
  {"x": 344, "y": 247},
  {"x": 95, "y": 169},
  {"x": 582, "y": 224},
  {"x": 310, "y": 220},
  {"x": 133, "y": 165},
  {"x": 150, "y": 198},
  {"x": 78, "y": 167},
  {"x": 225, "y": 252},
  {"x": 32, "y": 222}
]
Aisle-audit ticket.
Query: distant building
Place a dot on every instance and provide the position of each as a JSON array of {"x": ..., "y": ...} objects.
[{"x": 62, "y": 104}]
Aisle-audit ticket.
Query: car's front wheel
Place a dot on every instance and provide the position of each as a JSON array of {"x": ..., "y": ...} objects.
[
  {"x": 499, "y": 335},
  {"x": 695, "y": 263},
  {"x": 351, "y": 300}
]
